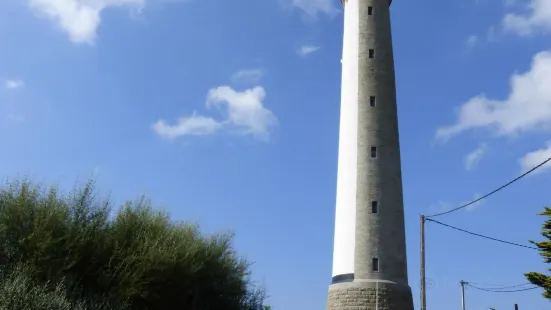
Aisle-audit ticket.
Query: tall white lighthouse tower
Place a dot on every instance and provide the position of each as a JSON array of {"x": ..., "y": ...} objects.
[{"x": 369, "y": 259}]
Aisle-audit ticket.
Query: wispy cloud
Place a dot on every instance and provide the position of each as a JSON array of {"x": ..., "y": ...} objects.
[
  {"x": 536, "y": 19},
  {"x": 194, "y": 125},
  {"x": 14, "y": 83},
  {"x": 443, "y": 206},
  {"x": 313, "y": 8},
  {"x": 525, "y": 18},
  {"x": 79, "y": 19},
  {"x": 243, "y": 113},
  {"x": 472, "y": 40},
  {"x": 475, "y": 205},
  {"x": 307, "y": 50},
  {"x": 249, "y": 76},
  {"x": 534, "y": 158},
  {"x": 473, "y": 158}
]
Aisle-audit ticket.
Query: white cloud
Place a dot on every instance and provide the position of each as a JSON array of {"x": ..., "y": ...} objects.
[
  {"x": 527, "y": 107},
  {"x": 474, "y": 157},
  {"x": 474, "y": 205},
  {"x": 244, "y": 112},
  {"x": 248, "y": 76},
  {"x": 14, "y": 84},
  {"x": 472, "y": 40},
  {"x": 443, "y": 206},
  {"x": 307, "y": 49},
  {"x": 80, "y": 19},
  {"x": 535, "y": 158},
  {"x": 244, "y": 109},
  {"x": 537, "y": 18},
  {"x": 195, "y": 125},
  {"x": 314, "y": 7}
]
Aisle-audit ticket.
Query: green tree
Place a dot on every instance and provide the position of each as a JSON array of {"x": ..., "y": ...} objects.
[
  {"x": 540, "y": 279},
  {"x": 18, "y": 290},
  {"x": 137, "y": 257}
]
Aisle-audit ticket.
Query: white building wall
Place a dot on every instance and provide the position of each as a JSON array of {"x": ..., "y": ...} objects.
[{"x": 345, "y": 214}]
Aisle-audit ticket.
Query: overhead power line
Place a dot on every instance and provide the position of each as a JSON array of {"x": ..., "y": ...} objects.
[
  {"x": 492, "y": 192},
  {"x": 482, "y": 236},
  {"x": 499, "y": 287},
  {"x": 501, "y": 291}
]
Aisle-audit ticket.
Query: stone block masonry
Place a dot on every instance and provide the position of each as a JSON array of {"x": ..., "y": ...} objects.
[{"x": 363, "y": 296}]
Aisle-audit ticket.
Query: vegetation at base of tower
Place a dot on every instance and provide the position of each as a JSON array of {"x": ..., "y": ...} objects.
[
  {"x": 71, "y": 252},
  {"x": 536, "y": 278}
]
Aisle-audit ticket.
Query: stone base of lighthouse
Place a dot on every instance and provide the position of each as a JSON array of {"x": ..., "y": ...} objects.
[{"x": 364, "y": 295}]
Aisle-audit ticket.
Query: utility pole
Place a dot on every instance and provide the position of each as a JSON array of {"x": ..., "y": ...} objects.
[
  {"x": 462, "y": 294},
  {"x": 423, "y": 287}
]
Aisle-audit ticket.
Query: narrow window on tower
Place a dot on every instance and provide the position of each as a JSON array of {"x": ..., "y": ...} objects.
[
  {"x": 373, "y": 152},
  {"x": 374, "y": 207},
  {"x": 369, "y": 10},
  {"x": 372, "y": 101},
  {"x": 375, "y": 264},
  {"x": 371, "y": 53}
]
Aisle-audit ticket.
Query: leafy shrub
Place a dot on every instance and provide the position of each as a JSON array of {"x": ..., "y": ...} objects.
[{"x": 138, "y": 257}]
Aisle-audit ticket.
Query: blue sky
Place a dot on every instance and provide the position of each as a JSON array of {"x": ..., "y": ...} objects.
[{"x": 226, "y": 113}]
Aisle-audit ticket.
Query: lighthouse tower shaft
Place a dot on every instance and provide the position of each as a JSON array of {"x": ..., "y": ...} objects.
[{"x": 369, "y": 260}]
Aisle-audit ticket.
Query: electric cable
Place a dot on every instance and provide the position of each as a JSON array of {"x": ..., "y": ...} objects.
[
  {"x": 482, "y": 236},
  {"x": 492, "y": 192},
  {"x": 501, "y": 291},
  {"x": 500, "y": 287}
]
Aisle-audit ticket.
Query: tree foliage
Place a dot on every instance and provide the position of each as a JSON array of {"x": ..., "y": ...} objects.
[
  {"x": 71, "y": 251},
  {"x": 18, "y": 290},
  {"x": 536, "y": 278}
]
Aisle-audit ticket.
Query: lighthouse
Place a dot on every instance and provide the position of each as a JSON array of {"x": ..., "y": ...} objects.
[{"x": 369, "y": 258}]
